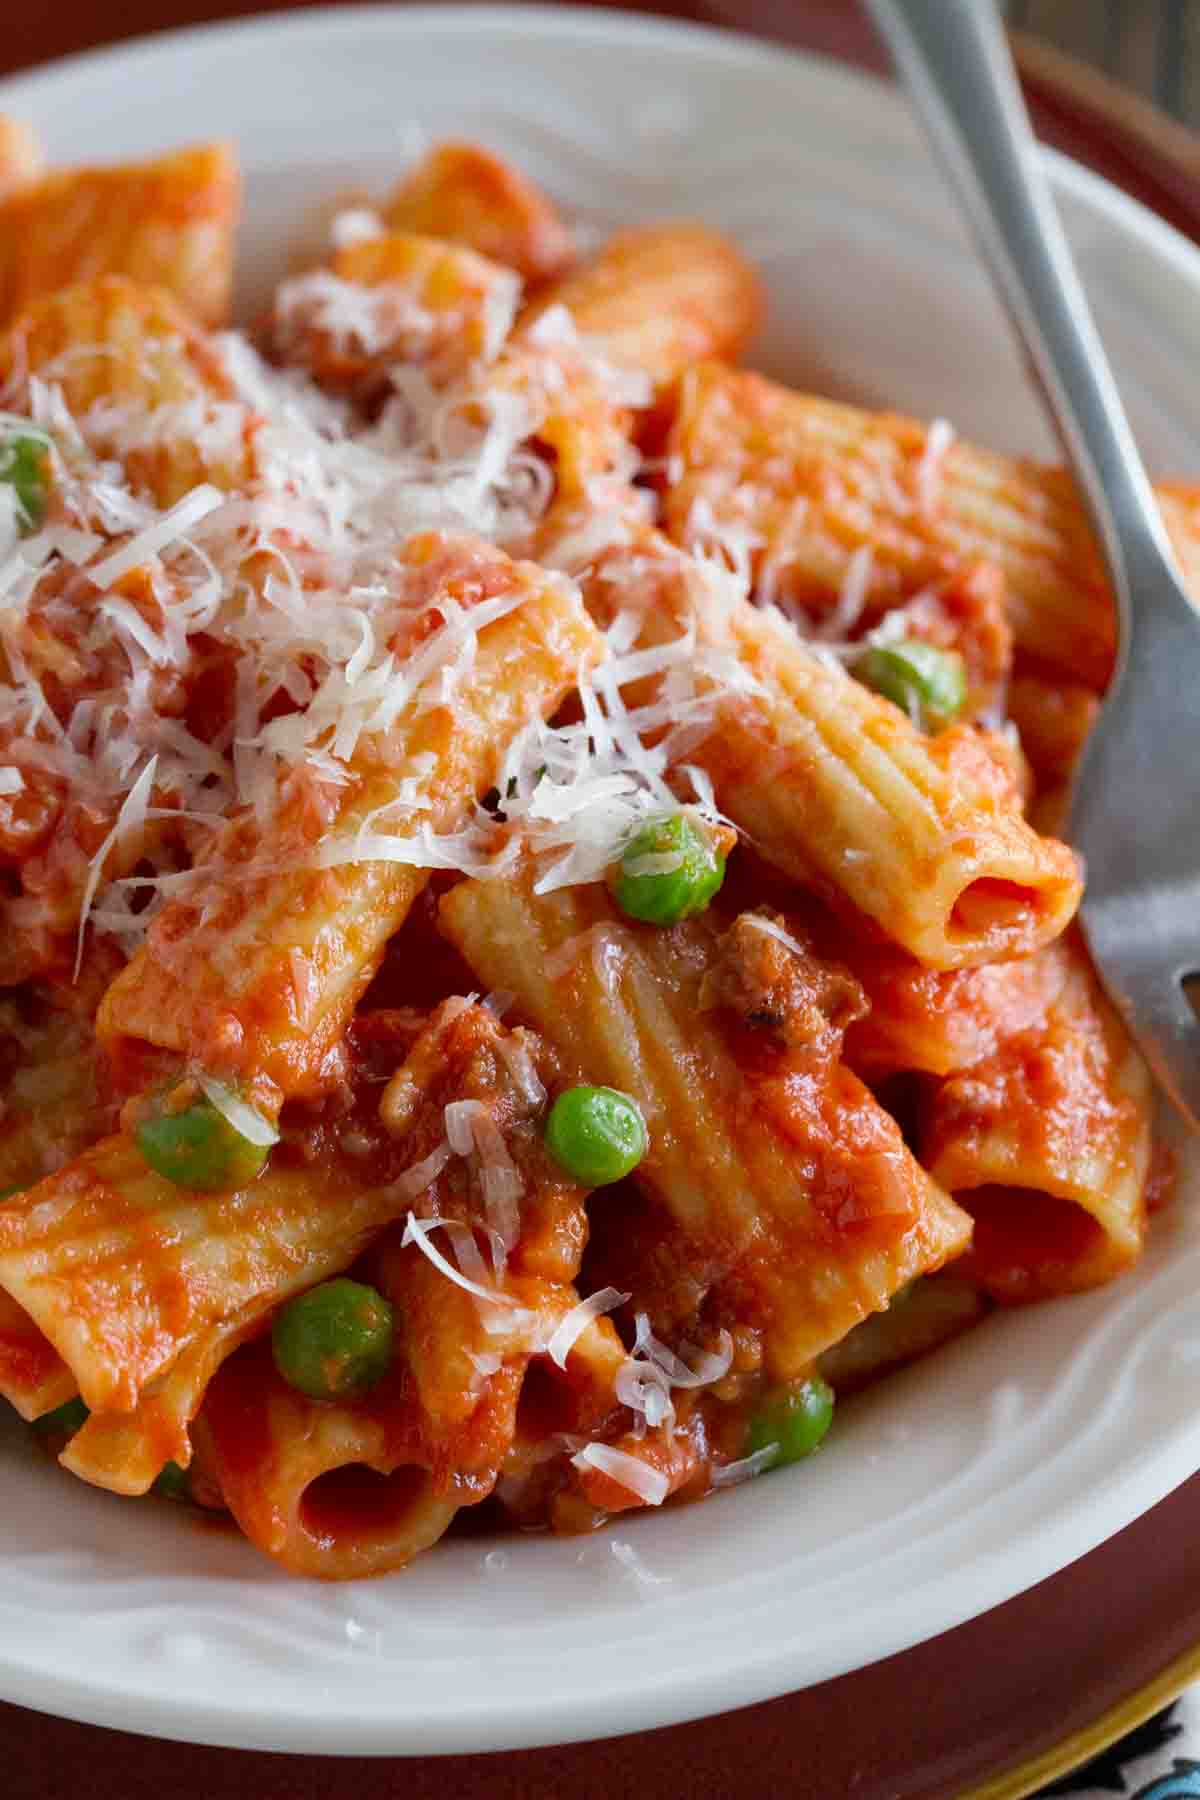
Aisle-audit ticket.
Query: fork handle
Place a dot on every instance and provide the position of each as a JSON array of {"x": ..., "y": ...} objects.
[{"x": 954, "y": 59}]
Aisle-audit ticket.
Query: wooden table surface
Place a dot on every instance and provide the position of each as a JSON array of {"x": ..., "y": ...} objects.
[{"x": 895, "y": 1729}]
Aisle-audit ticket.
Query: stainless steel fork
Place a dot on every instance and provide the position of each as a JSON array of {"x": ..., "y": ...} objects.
[{"x": 1136, "y": 804}]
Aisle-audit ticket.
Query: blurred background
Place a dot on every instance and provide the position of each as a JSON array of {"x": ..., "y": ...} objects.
[
  {"x": 1115, "y": 83},
  {"x": 1149, "y": 47}
]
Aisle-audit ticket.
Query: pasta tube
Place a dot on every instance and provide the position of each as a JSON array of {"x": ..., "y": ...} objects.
[
  {"x": 260, "y": 975},
  {"x": 422, "y": 303},
  {"x": 123, "y": 352},
  {"x": 658, "y": 297},
  {"x": 339, "y": 1489},
  {"x": 122, "y": 1271},
  {"x": 327, "y": 1490},
  {"x": 812, "y": 483},
  {"x": 468, "y": 195},
  {"x": 933, "y": 1311},
  {"x": 938, "y": 1021},
  {"x": 33, "y": 1376},
  {"x": 755, "y": 1165},
  {"x": 835, "y": 786},
  {"x": 1047, "y": 1145},
  {"x": 168, "y": 223},
  {"x": 461, "y": 1054}
]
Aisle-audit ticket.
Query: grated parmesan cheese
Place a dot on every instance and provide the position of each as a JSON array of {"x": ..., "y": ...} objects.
[
  {"x": 130, "y": 822},
  {"x": 710, "y": 1365},
  {"x": 650, "y": 1485},
  {"x": 645, "y": 1379},
  {"x": 296, "y": 579},
  {"x": 519, "y": 1063},
  {"x": 574, "y": 1323},
  {"x": 246, "y": 1120},
  {"x": 746, "y": 1467},
  {"x": 635, "y": 1566},
  {"x": 939, "y": 440},
  {"x": 417, "y": 1231},
  {"x": 416, "y": 1180},
  {"x": 856, "y": 586},
  {"x": 472, "y": 1131},
  {"x": 770, "y": 929},
  {"x": 355, "y": 225},
  {"x": 459, "y": 1116},
  {"x": 171, "y": 528}
]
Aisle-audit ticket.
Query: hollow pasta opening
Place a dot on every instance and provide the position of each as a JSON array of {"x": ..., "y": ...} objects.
[
  {"x": 989, "y": 911},
  {"x": 358, "y": 1503},
  {"x": 1029, "y": 1245}
]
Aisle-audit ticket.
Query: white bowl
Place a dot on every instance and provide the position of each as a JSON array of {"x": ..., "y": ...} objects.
[{"x": 945, "y": 1490}]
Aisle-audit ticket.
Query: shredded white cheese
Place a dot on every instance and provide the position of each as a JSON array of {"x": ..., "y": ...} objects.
[
  {"x": 460, "y": 1116},
  {"x": 769, "y": 928},
  {"x": 708, "y": 1365},
  {"x": 130, "y": 822},
  {"x": 421, "y": 1176},
  {"x": 418, "y": 1232},
  {"x": 746, "y": 1467},
  {"x": 355, "y": 225},
  {"x": 852, "y": 599},
  {"x": 246, "y": 1120},
  {"x": 171, "y": 528},
  {"x": 645, "y": 1379},
  {"x": 576, "y": 1322},
  {"x": 516, "y": 1058},
  {"x": 295, "y": 579},
  {"x": 633, "y": 1565},
  {"x": 939, "y": 439},
  {"x": 650, "y": 1485},
  {"x": 472, "y": 1131}
]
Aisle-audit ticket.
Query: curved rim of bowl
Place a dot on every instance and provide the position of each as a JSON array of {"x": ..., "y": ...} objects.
[{"x": 711, "y": 1688}]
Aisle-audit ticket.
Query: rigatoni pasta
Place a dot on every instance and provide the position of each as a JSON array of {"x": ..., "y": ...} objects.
[
  {"x": 835, "y": 786},
  {"x": 810, "y": 485},
  {"x": 465, "y": 194},
  {"x": 659, "y": 298},
  {"x": 276, "y": 960},
  {"x": 730, "y": 1046},
  {"x": 167, "y": 223},
  {"x": 1047, "y": 1143},
  {"x": 33, "y": 1377},
  {"x": 530, "y": 969}
]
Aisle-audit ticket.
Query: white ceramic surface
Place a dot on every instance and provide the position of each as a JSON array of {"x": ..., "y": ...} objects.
[{"x": 947, "y": 1489}]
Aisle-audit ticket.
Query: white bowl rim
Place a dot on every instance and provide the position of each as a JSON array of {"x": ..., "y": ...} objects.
[{"x": 1106, "y": 1509}]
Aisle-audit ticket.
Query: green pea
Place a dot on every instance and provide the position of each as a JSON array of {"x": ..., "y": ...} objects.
[
  {"x": 64, "y": 1421},
  {"x": 199, "y": 1148},
  {"x": 597, "y": 1134},
  {"x": 664, "y": 896},
  {"x": 23, "y": 465},
  {"x": 173, "y": 1483},
  {"x": 794, "y": 1419},
  {"x": 927, "y": 683},
  {"x": 335, "y": 1341}
]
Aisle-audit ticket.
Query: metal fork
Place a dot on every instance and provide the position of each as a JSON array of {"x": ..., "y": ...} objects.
[{"x": 1136, "y": 803}]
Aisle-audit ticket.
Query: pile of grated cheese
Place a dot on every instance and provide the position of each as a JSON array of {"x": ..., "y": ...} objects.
[
  {"x": 289, "y": 587},
  {"x": 112, "y": 611}
]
